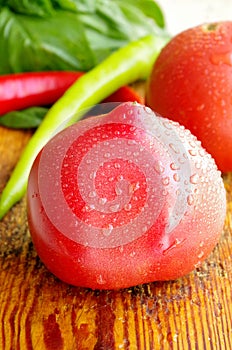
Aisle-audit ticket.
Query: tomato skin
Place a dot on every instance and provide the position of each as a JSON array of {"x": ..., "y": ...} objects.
[
  {"x": 191, "y": 82},
  {"x": 118, "y": 259}
]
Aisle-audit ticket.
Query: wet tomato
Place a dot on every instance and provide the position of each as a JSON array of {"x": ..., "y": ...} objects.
[
  {"x": 124, "y": 198},
  {"x": 191, "y": 82}
]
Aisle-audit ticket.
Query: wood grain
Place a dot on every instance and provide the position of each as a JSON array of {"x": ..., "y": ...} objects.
[{"x": 38, "y": 312}]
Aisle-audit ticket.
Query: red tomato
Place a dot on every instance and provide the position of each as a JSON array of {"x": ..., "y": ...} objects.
[
  {"x": 191, "y": 82},
  {"x": 123, "y": 199}
]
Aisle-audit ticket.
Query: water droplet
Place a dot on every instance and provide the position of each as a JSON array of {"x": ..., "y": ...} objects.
[
  {"x": 131, "y": 142},
  {"x": 92, "y": 175},
  {"x": 102, "y": 200},
  {"x": 134, "y": 187},
  {"x": 132, "y": 254},
  {"x": 120, "y": 177},
  {"x": 107, "y": 230},
  {"x": 121, "y": 248},
  {"x": 167, "y": 124},
  {"x": 198, "y": 165},
  {"x": 174, "y": 148},
  {"x": 100, "y": 280},
  {"x": 118, "y": 189},
  {"x": 117, "y": 165},
  {"x": 92, "y": 194},
  {"x": 88, "y": 208},
  {"x": 201, "y": 152},
  {"x": 132, "y": 128},
  {"x": 177, "y": 242},
  {"x": 190, "y": 199},
  {"x": 181, "y": 160},
  {"x": 174, "y": 166},
  {"x": 114, "y": 208},
  {"x": 159, "y": 168},
  {"x": 107, "y": 155},
  {"x": 144, "y": 229},
  {"x": 176, "y": 177},
  {"x": 127, "y": 207},
  {"x": 164, "y": 192},
  {"x": 194, "y": 179},
  {"x": 200, "y": 255},
  {"x": 200, "y": 107},
  {"x": 192, "y": 152},
  {"x": 222, "y": 58},
  {"x": 166, "y": 181}
]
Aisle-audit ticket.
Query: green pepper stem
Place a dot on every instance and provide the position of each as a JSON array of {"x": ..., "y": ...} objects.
[{"x": 128, "y": 64}]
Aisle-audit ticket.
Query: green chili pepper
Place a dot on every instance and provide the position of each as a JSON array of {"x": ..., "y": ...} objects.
[{"x": 128, "y": 64}]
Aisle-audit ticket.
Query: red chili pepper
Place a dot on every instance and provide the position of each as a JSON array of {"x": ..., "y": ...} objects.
[
  {"x": 23, "y": 90},
  {"x": 125, "y": 94}
]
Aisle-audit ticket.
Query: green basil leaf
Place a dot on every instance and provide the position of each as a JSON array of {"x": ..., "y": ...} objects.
[
  {"x": 25, "y": 119},
  {"x": 78, "y": 6},
  {"x": 71, "y": 34},
  {"x": 149, "y": 8},
  {"x": 35, "y": 44},
  {"x": 33, "y": 8}
]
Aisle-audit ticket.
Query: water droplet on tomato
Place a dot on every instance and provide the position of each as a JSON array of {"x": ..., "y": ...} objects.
[
  {"x": 121, "y": 248},
  {"x": 107, "y": 230},
  {"x": 222, "y": 58},
  {"x": 102, "y": 200},
  {"x": 107, "y": 155},
  {"x": 120, "y": 177},
  {"x": 92, "y": 175},
  {"x": 200, "y": 255},
  {"x": 190, "y": 199},
  {"x": 166, "y": 181},
  {"x": 167, "y": 124},
  {"x": 118, "y": 189},
  {"x": 174, "y": 148},
  {"x": 174, "y": 166},
  {"x": 194, "y": 179},
  {"x": 114, "y": 208},
  {"x": 127, "y": 207},
  {"x": 92, "y": 194},
  {"x": 177, "y": 242},
  {"x": 144, "y": 229},
  {"x": 176, "y": 177},
  {"x": 198, "y": 165},
  {"x": 181, "y": 160},
  {"x": 202, "y": 152},
  {"x": 132, "y": 254},
  {"x": 192, "y": 152},
  {"x": 158, "y": 167},
  {"x": 131, "y": 142},
  {"x": 100, "y": 280},
  {"x": 117, "y": 165}
]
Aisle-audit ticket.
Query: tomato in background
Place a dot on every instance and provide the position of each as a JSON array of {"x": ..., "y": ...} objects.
[
  {"x": 191, "y": 82},
  {"x": 124, "y": 198}
]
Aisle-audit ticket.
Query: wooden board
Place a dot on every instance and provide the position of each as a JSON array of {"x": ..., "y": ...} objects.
[{"x": 37, "y": 311}]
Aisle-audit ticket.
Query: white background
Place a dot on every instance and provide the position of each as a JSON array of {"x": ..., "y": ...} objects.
[{"x": 183, "y": 14}]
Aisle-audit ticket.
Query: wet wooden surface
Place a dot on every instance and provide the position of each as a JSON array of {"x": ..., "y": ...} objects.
[{"x": 38, "y": 312}]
